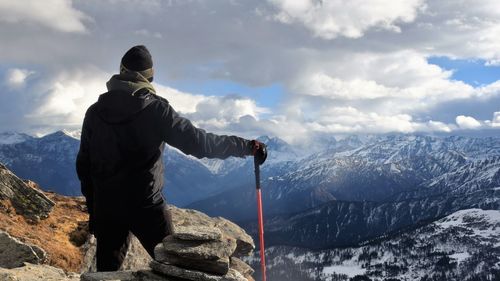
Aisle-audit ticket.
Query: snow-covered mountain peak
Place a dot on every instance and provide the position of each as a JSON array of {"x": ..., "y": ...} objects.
[
  {"x": 13, "y": 137},
  {"x": 62, "y": 134},
  {"x": 276, "y": 144}
]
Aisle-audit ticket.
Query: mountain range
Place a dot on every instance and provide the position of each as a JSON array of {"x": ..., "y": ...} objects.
[{"x": 352, "y": 191}]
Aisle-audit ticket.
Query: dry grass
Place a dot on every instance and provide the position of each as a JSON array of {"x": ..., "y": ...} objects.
[{"x": 56, "y": 234}]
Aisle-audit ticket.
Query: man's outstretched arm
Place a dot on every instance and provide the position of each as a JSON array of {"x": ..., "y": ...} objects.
[{"x": 179, "y": 132}]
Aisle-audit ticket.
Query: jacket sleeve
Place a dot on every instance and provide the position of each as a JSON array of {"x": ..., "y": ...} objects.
[
  {"x": 179, "y": 132},
  {"x": 83, "y": 165}
]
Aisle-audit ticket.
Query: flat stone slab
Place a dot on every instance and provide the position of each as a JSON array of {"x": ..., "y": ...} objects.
[
  {"x": 219, "y": 266},
  {"x": 206, "y": 250},
  {"x": 197, "y": 233},
  {"x": 108, "y": 276},
  {"x": 172, "y": 270}
]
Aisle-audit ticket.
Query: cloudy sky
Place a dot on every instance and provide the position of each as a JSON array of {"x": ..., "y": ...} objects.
[{"x": 290, "y": 68}]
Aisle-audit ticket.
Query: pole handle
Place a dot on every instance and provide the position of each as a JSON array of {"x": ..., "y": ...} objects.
[{"x": 257, "y": 172}]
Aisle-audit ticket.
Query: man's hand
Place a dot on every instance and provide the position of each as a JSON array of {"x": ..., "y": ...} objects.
[{"x": 259, "y": 151}]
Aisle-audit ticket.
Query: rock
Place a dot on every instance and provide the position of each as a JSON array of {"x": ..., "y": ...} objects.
[
  {"x": 188, "y": 217},
  {"x": 89, "y": 258},
  {"x": 149, "y": 275},
  {"x": 14, "y": 253},
  {"x": 245, "y": 244},
  {"x": 129, "y": 275},
  {"x": 219, "y": 266},
  {"x": 172, "y": 270},
  {"x": 29, "y": 202},
  {"x": 192, "y": 218},
  {"x": 241, "y": 267},
  {"x": 33, "y": 272},
  {"x": 137, "y": 257},
  {"x": 211, "y": 250},
  {"x": 111, "y": 275},
  {"x": 197, "y": 233},
  {"x": 141, "y": 275}
]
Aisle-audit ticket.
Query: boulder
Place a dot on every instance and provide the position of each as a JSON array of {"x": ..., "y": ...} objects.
[
  {"x": 14, "y": 253},
  {"x": 194, "y": 275},
  {"x": 29, "y": 202}
]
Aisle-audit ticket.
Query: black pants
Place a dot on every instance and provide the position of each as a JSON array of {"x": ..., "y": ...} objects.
[{"x": 150, "y": 226}]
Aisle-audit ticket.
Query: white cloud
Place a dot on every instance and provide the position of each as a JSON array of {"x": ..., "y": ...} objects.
[
  {"x": 321, "y": 84},
  {"x": 459, "y": 29},
  {"x": 56, "y": 14},
  {"x": 346, "y": 120},
  {"x": 467, "y": 122},
  {"x": 496, "y": 120},
  {"x": 386, "y": 84},
  {"x": 62, "y": 100},
  {"x": 16, "y": 77},
  {"x": 350, "y": 18},
  {"x": 181, "y": 101},
  {"x": 211, "y": 112},
  {"x": 437, "y": 126}
]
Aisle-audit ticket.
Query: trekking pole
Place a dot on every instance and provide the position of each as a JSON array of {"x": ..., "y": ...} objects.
[{"x": 261, "y": 220}]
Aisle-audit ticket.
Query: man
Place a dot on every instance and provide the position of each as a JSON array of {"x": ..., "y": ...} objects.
[{"x": 120, "y": 159}]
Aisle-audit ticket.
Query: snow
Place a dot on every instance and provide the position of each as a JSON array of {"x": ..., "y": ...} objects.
[
  {"x": 394, "y": 169},
  {"x": 76, "y": 134},
  {"x": 12, "y": 138},
  {"x": 349, "y": 270},
  {"x": 460, "y": 257},
  {"x": 459, "y": 218}
]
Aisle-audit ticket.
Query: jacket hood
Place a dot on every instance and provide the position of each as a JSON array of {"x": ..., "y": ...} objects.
[{"x": 128, "y": 94}]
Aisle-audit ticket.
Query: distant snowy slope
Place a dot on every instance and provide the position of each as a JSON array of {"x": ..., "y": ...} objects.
[{"x": 462, "y": 246}]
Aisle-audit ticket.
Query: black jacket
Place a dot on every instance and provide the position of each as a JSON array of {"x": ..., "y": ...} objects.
[{"x": 120, "y": 159}]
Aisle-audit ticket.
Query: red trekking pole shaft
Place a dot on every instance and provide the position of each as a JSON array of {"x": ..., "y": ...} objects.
[{"x": 261, "y": 221}]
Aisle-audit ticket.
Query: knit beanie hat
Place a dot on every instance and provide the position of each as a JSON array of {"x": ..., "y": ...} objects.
[{"x": 138, "y": 59}]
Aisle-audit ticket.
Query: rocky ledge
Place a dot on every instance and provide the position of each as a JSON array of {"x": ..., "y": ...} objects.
[{"x": 201, "y": 249}]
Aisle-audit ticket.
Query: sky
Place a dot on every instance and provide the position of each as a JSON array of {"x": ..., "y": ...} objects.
[{"x": 296, "y": 69}]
